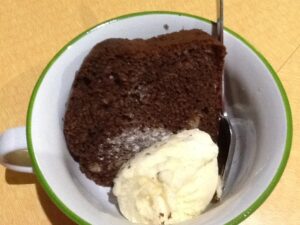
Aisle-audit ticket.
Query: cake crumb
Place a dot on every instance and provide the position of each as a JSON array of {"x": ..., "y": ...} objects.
[{"x": 95, "y": 168}]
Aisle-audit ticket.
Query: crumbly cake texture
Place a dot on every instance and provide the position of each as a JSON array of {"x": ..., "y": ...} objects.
[{"x": 129, "y": 94}]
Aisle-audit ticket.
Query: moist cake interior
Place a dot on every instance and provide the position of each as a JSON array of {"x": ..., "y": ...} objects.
[{"x": 129, "y": 94}]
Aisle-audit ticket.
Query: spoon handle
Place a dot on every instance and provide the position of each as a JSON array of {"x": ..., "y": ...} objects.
[{"x": 220, "y": 20}]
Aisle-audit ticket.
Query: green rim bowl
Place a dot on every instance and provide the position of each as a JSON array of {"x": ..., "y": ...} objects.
[{"x": 46, "y": 142}]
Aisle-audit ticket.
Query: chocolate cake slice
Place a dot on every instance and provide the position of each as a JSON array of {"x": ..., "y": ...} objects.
[{"x": 129, "y": 94}]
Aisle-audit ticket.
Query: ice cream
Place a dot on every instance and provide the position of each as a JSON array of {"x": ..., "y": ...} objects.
[{"x": 169, "y": 182}]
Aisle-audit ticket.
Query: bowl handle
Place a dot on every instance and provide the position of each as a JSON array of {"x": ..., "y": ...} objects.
[{"x": 13, "y": 150}]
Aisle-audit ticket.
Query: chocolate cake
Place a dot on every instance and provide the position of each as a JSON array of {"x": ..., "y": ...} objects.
[{"x": 129, "y": 94}]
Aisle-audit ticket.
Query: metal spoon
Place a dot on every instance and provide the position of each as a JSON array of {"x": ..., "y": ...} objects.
[{"x": 226, "y": 134}]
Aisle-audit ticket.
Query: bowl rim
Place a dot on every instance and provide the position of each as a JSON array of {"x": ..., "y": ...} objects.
[{"x": 243, "y": 215}]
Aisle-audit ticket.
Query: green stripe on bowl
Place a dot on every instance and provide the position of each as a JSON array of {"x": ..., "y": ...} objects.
[{"x": 235, "y": 220}]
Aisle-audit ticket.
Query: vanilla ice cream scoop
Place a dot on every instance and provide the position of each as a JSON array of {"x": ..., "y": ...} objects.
[{"x": 169, "y": 182}]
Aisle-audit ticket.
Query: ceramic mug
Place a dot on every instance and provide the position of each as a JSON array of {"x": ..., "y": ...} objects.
[{"x": 255, "y": 101}]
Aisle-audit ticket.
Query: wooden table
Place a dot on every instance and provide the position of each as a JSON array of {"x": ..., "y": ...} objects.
[{"x": 31, "y": 32}]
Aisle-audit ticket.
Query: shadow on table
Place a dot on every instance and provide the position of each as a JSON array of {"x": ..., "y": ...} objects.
[
  {"x": 55, "y": 216},
  {"x": 17, "y": 178}
]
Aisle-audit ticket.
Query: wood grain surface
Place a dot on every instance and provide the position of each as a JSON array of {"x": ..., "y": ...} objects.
[{"x": 31, "y": 32}]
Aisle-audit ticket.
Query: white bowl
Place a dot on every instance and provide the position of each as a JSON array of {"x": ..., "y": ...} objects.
[{"x": 256, "y": 103}]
